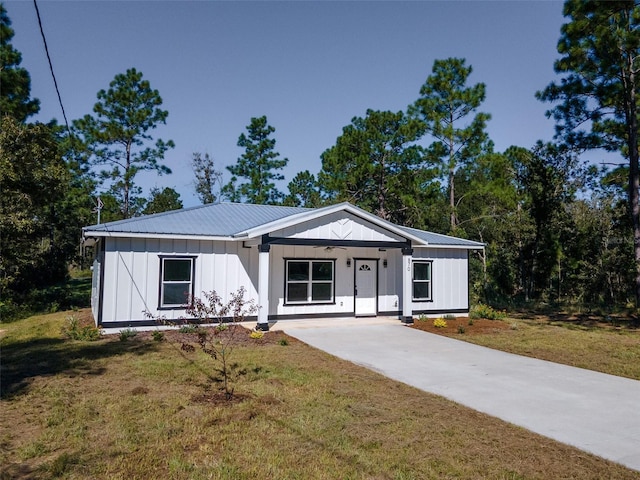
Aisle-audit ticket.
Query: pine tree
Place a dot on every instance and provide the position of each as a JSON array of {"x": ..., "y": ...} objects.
[
  {"x": 444, "y": 105},
  {"x": 303, "y": 191},
  {"x": 15, "y": 81},
  {"x": 376, "y": 165},
  {"x": 208, "y": 179},
  {"x": 259, "y": 165},
  {"x": 597, "y": 97},
  {"x": 118, "y": 135}
]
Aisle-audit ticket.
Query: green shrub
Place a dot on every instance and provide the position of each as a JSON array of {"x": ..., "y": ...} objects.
[
  {"x": 189, "y": 328},
  {"x": 10, "y": 311},
  {"x": 485, "y": 311},
  {"x": 461, "y": 329},
  {"x": 73, "y": 330},
  {"x": 157, "y": 336},
  {"x": 283, "y": 342},
  {"x": 127, "y": 333}
]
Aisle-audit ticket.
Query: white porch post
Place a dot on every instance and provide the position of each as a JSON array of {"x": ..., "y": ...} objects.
[
  {"x": 263, "y": 287},
  {"x": 407, "y": 316}
]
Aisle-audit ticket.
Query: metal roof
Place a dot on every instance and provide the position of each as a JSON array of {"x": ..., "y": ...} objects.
[
  {"x": 442, "y": 240},
  {"x": 214, "y": 220},
  {"x": 238, "y": 219}
]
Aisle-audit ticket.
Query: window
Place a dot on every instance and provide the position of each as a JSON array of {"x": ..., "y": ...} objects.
[
  {"x": 176, "y": 281},
  {"x": 422, "y": 281},
  {"x": 309, "y": 281}
]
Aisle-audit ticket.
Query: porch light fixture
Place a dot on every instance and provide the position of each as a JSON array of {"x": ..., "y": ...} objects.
[
  {"x": 348, "y": 263},
  {"x": 384, "y": 263}
]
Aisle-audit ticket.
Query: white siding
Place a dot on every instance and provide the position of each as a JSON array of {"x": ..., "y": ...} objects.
[
  {"x": 390, "y": 281},
  {"x": 95, "y": 286},
  {"x": 132, "y": 276},
  {"x": 343, "y": 276},
  {"x": 450, "y": 289}
]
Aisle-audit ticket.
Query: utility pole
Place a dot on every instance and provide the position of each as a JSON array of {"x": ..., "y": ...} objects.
[{"x": 98, "y": 208}]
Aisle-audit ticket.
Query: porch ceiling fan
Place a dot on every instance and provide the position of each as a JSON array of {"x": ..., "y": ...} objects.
[{"x": 328, "y": 248}]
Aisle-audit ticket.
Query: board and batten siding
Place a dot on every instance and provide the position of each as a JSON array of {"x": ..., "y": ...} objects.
[
  {"x": 343, "y": 277},
  {"x": 450, "y": 277},
  {"x": 132, "y": 274}
]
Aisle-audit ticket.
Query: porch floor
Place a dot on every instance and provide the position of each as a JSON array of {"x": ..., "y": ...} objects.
[{"x": 291, "y": 324}]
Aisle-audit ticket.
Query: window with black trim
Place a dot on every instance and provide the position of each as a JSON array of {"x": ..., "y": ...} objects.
[
  {"x": 309, "y": 281},
  {"x": 422, "y": 281},
  {"x": 176, "y": 281}
]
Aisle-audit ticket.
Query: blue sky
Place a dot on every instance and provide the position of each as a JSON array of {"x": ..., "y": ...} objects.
[{"x": 310, "y": 67}]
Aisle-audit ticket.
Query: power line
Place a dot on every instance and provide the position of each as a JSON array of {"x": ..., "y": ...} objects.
[{"x": 55, "y": 82}]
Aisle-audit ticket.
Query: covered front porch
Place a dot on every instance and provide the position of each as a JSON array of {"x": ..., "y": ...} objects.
[{"x": 333, "y": 278}]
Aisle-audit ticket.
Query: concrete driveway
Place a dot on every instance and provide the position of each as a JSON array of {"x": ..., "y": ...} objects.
[{"x": 593, "y": 411}]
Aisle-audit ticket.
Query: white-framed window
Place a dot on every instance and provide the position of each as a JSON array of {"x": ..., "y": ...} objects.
[
  {"x": 309, "y": 281},
  {"x": 176, "y": 281},
  {"x": 422, "y": 284}
]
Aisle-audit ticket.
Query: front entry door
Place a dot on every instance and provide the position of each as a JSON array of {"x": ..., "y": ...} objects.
[{"x": 366, "y": 287}]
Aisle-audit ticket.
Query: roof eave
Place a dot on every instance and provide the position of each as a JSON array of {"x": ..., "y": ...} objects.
[
  {"x": 451, "y": 247},
  {"x": 161, "y": 236}
]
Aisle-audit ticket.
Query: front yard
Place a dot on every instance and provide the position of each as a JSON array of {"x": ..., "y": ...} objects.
[
  {"x": 577, "y": 340},
  {"x": 140, "y": 409}
]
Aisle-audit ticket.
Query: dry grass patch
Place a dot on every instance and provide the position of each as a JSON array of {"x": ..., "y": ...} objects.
[{"x": 142, "y": 409}]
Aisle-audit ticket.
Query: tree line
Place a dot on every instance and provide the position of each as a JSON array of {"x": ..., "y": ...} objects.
[{"x": 556, "y": 228}]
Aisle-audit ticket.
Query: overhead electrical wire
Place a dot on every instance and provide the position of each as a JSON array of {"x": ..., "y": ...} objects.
[{"x": 55, "y": 82}]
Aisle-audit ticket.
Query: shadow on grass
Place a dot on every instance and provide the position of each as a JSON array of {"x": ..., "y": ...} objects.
[
  {"x": 23, "y": 361},
  {"x": 587, "y": 321}
]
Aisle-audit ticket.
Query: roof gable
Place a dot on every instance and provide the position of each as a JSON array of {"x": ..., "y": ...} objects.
[{"x": 338, "y": 225}]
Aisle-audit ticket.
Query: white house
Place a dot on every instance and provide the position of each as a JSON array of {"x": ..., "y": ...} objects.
[{"x": 336, "y": 261}]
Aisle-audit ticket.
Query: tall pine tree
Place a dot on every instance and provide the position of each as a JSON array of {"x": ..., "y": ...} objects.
[
  {"x": 445, "y": 106},
  {"x": 597, "y": 97},
  {"x": 376, "y": 165},
  {"x": 259, "y": 165},
  {"x": 118, "y": 136},
  {"x": 15, "y": 81}
]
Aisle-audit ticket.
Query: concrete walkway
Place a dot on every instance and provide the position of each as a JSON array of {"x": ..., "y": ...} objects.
[{"x": 593, "y": 411}]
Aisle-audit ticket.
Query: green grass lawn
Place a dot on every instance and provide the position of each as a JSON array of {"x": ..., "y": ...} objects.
[
  {"x": 592, "y": 343},
  {"x": 140, "y": 409}
]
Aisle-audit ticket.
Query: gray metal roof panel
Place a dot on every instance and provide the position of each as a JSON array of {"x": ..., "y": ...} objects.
[
  {"x": 442, "y": 240},
  {"x": 216, "y": 220}
]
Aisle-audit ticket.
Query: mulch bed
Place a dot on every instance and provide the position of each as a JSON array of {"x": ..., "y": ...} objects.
[
  {"x": 241, "y": 337},
  {"x": 455, "y": 326}
]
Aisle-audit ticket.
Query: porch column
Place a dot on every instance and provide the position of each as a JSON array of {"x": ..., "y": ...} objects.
[
  {"x": 263, "y": 287},
  {"x": 407, "y": 254}
]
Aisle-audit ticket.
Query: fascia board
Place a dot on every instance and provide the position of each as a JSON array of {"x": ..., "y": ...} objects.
[
  {"x": 171, "y": 236},
  {"x": 451, "y": 247}
]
